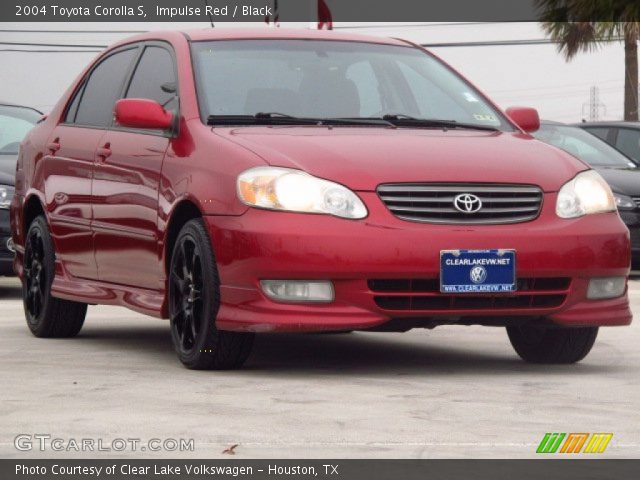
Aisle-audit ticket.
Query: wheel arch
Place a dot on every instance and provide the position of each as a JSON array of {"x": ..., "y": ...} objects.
[
  {"x": 184, "y": 211},
  {"x": 33, "y": 207}
]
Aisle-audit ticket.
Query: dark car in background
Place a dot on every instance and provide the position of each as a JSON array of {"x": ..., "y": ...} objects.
[
  {"x": 620, "y": 171},
  {"x": 15, "y": 122},
  {"x": 624, "y": 136}
]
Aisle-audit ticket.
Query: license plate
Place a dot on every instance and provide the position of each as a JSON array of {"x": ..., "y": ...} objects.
[{"x": 477, "y": 271}]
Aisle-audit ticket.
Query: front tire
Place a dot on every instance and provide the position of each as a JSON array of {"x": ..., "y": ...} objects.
[
  {"x": 543, "y": 344},
  {"x": 47, "y": 316},
  {"x": 194, "y": 300}
]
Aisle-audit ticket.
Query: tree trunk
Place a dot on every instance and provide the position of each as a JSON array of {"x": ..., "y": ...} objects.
[{"x": 631, "y": 76}]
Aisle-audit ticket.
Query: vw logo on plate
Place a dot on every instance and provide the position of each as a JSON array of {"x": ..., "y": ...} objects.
[
  {"x": 467, "y": 203},
  {"x": 478, "y": 274}
]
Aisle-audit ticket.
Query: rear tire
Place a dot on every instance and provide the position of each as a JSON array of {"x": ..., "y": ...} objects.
[
  {"x": 542, "y": 344},
  {"x": 194, "y": 300},
  {"x": 47, "y": 316}
]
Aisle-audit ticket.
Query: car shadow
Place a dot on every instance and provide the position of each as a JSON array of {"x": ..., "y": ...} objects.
[
  {"x": 369, "y": 353},
  {"x": 10, "y": 289},
  {"x": 358, "y": 353}
]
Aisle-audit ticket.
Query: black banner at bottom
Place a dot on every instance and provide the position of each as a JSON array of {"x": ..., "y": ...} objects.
[{"x": 552, "y": 469}]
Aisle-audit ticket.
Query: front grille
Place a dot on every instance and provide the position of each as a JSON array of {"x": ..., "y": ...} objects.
[
  {"x": 636, "y": 200},
  {"x": 424, "y": 294},
  {"x": 434, "y": 203}
]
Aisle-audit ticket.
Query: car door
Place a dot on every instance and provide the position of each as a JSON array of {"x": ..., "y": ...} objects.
[
  {"x": 126, "y": 181},
  {"x": 628, "y": 142},
  {"x": 68, "y": 162}
]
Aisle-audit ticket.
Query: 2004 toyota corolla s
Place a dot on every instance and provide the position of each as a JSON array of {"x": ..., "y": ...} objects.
[{"x": 240, "y": 181}]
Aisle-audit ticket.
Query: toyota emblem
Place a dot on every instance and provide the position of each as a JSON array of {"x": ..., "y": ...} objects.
[{"x": 467, "y": 203}]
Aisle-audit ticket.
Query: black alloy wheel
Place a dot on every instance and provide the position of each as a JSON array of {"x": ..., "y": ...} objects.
[
  {"x": 194, "y": 300},
  {"x": 47, "y": 316},
  {"x": 186, "y": 285},
  {"x": 35, "y": 276}
]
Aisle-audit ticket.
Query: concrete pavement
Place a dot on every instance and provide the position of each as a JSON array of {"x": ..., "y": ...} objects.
[{"x": 449, "y": 392}]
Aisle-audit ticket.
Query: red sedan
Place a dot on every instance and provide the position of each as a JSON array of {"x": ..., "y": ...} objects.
[{"x": 248, "y": 181}]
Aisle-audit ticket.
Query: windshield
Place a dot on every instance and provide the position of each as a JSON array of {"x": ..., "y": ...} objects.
[
  {"x": 15, "y": 122},
  {"x": 583, "y": 145},
  {"x": 333, "y": 79}
]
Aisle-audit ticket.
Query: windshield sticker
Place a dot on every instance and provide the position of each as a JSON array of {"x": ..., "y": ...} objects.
[
  {"x": 484, "y": 117},
  {"x": 470, "y": 97}
]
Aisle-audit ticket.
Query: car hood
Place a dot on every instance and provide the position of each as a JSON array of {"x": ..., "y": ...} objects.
[
  {"x": 363, "y": 158},
  {"x": 8, "y": 169},
  {"x": 622, "y": 180}
]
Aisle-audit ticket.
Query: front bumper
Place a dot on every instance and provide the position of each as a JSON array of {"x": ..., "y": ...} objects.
[{"x": 276, "y": 245}]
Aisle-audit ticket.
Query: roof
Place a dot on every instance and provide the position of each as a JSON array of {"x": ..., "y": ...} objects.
[
  {"x": 262, "y": 33},
  {"x": 612, "y": 123},
  {"x": 284, "y": 33}
]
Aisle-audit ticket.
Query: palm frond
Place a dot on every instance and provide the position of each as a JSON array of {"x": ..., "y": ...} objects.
[{"x": 582, "y": 25}]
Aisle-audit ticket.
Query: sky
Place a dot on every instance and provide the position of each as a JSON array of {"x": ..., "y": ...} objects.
[{"x": 529, "y": 75}]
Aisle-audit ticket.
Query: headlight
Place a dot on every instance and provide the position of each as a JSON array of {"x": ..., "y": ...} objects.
[
  {"x": 6, "y": 195},
  {"x": 624, "y": 202},
  {"x": 587, "y": 193},
  {"x": 296, "y": 191}
]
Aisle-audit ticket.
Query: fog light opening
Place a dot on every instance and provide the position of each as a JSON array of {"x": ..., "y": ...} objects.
[
  {"x": 607, "y": 287},
  {"x": 10, "y": 245},
  {"x": 297, "y": 291}
]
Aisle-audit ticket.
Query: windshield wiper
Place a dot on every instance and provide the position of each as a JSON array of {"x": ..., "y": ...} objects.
[
  {"x": 277, "y": 118},
  {"x": 401, "y": 119}
]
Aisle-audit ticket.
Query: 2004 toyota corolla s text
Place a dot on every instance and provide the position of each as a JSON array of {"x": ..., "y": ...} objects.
[{"x": 240, "y": 181}]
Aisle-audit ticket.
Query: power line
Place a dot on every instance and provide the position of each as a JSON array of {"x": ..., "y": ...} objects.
[
  {"x": 24, "y": 50},
  {"x": 422, "y": 25},
  {"x": 336, "y": 27},
  {"x": 491, "y": 43},
  {"x": 28, "y": 44},
  {"x": 500, "y": 43},
  {"x": 570, "y": 86},
  {"x": 71, "y": 31}
]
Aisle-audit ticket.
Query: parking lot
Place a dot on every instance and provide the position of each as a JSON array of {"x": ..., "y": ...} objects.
[{"x": 450, "y": 392}]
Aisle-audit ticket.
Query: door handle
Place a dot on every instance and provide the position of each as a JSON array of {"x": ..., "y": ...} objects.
[
  {"x": 54, "y": 146},
  {"x": 104, "y": 152}
]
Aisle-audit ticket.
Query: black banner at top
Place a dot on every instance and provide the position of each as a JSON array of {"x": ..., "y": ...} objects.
[{"x": 322, "y": 11}]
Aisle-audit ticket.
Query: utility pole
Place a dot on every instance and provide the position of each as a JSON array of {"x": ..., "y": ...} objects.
[{"x": 594, "y": 105}]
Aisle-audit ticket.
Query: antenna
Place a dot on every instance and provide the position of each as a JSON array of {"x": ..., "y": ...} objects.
[{"x": 208, "y": 9}]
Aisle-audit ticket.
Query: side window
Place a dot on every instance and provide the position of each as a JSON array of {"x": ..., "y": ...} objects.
[
  {"x": 103, "y": 89},
  {"x": 70, "y": 117},
  {"x": 600, "y": 132},
  {"x": 154, "y": 77},
  {"x": 628, "y": 142}
]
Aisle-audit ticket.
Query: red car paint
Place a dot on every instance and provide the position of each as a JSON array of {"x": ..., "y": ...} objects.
[{"x": 110, "y": 198}]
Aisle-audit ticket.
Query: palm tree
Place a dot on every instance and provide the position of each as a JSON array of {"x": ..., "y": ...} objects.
[{"x": 571, "y": 24}]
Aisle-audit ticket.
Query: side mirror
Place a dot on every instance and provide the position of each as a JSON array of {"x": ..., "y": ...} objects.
[
  {"x": 526, "y": 118},
  {"x": 142, "y": 113}
]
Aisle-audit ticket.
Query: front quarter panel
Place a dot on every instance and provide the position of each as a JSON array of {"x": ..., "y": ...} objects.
[{"x": 202, "y": 167}]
